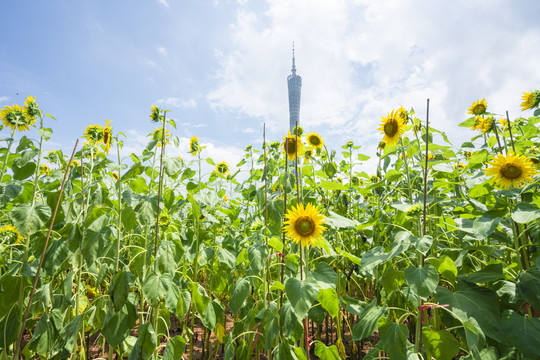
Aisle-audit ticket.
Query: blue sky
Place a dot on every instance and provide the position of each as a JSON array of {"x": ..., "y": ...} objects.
[{"x": 221, "y": 66}]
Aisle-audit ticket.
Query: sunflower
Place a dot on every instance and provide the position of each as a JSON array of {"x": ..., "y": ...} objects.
[
  {"x": 15, "y": 118},
  {"x": 530, "y": 100},
  {"x": 304, "y": 224},
  {"x": 308, "y": 155},
  {"x": 511, "y": 170},
  {"x": 290, "y": 146},
  {"x": 164, "y": 219},
  {"x": 298, "y": 130},
  {"x": 392, "y": 127},
  {"x": 355, "y": 180},
  {"x": 478, "y": 107},
  {"x": 477, "y": 125},
  {"x": 155, "y": 115},
  {"x": 486, "y": 125},
  {"x": 374, "y": 179},
  {"x": 194, "y": 145},
  {"x": 44, "y": 170},
  {"x": 94, "y": 134},
  {"x": 158, "y": 135},
  {"x": 30, "y": 107},
  {"x": 115, "y": 176},
  {"x": 107, "y": 135},
  {"x": 402, "y": 114},
  {"x": 381, "y": 145},
  {"x": 11, "y": 234},
  {"x": 314, "y": 140},
  {"x": 504, "y": 124},
  {"x": 222, "y": 168}
]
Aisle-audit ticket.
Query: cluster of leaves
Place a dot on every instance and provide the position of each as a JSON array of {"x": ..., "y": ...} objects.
[{"x": 137, "y": 242}]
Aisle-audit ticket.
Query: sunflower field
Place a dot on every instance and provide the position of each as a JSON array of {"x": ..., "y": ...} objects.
[{"x": 293, "y": 253}]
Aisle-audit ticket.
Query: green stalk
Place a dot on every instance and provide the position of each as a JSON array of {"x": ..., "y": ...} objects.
[{"x": 7, "y": 156}]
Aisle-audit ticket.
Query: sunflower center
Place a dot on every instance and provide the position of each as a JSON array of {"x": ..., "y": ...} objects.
[
  {"x": 304, "y": 226},
  {"x": 511, "y": 171},
  {"x": 291, "y": 146},
  {"x": 479, "y": 109},
  {"x": 314, "y": 140},
  {"x": 391, "y": 128}
]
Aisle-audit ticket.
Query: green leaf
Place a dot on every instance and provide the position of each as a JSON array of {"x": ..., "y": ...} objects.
[
  {"x": 326, "y": 352},
  {"x": 146, "y": 343},
  {"x": 372, "y": 258},
  {"x": 171, "y": 165},
  {"x": 392, "y": 279},
  {"x": 239, "y": 294},
  {"x": 301, "y": 294},
  {"x": 423, "y": 244},
  {"x": 394, "y": 338},
  {"x": 445, "y": 266},
  {"x": 468, "y": 123},
  {"x": 118, "y": 324},
  {"x": 441, "y": 344},
  {"x": 67, "y": 338},
  {"x": 491, "y": 272},
  {"x": 473, "y": 301},
  {"x": 325, "y": 276},
  {"x": 367, "y": 322},
  {"x": 96, "y": 243},
  {"x": 444, "y": 167},
  {"x": 332, "y": 185},
  {"x": 522, "y": 332},
  {"x": 119, "y": 288},
  {"x": 28, "y": 220},
  {"x": 175, "y": 348},
  {"x": 276, "y": 243},
  {"x": 524, "y": 213},
  {"x": 528, "y": 284},
  {"x": 155, "y": 287},
  {"x": 337, "y": 221},
  {"x": 473, "y": 333},
  {"x": 46, "y": 133},
  {"x": 10, "y": 325},
  {"x": 329, "y": 300},
  {"x": 485, "y": 225},
  {"x": 422, "y": 281}
]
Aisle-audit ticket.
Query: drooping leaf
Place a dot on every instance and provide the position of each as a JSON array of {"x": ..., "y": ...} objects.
[
  {"x": 367, "y": 322},
  {"x": 239, "y": 293},
  {"x": 423, "y": 281},
  {"x": 441, "y": 344},
  {"x": 301, "y": 294},
  {"x": 394, "y": 338}
]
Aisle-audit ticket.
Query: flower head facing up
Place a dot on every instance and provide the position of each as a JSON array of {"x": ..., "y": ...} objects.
[
  {"x": 15, "y": 118},
  {"x": 156, "y": 114},
  {"x": 314, "y": 140},
  {"x": 478, "y": 107},
  {"x": 194, "y": 145},
  {"x": 94, "y": 134},
  {"x": 304, "y": 224},
  {"x": 530, "y": 100},
  {"x": 291, "y": 146},
  {"x": 107, "y": 136},
  {"x": 511, "y": 170},
  {"x": 31, "y": 108},
  {"x": 392, "y": 127},
  {"x": 222, "y": 168}
]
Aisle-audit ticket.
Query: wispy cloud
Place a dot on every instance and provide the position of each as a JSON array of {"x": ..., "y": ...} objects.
[
  {"x": 164, "y": 3},
  {"x": 177, "y": 102},
  {"x": 4, "y": 99}
]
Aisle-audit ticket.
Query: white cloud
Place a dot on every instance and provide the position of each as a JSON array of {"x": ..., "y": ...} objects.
[
  {"x": 177, "y": 102},
  {"x": 162, "y": 51},
  {"x": 361, "y": 59},
  {"x": 4, "y": 99},
  {"x": 164, "y": 3}
]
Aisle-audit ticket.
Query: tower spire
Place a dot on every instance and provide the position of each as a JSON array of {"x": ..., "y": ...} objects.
[
  {"x": 294, "y": 84},
  {"x": 293, "y": 70}
]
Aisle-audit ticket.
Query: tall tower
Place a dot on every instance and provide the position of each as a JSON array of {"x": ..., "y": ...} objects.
[{"x": 294, "y": 83}]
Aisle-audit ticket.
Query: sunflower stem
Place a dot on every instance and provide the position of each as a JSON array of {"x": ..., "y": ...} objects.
[
  {"x": 160, "y": 186},
  {"x": 7, "y": 156},
  {"x": 510, "y": 132}
]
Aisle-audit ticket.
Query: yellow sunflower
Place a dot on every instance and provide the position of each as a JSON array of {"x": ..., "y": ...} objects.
[
  {"x": 314, "y": 140},
  {"x": 30, "y": 107},
  {"x": 304, "y": 224},
  {"x": 15, "y": 118},
  {"x": 291, "y": 147},
  {"x": 511, "y": 170},
  {"x": 477, "y": 125},
  {"x": 10, "y": 233},
  {"x": 222, "y": 168},
  {"x": 530, "y": 100},
  {"x": 194, "y": 145},
  {"x": 155, "y": 115},
  {"x": 115, "y": 176},
  {"x": 44, "y": 170},
  {"x": 158, "y": 135},
  {"x": 107, "y": 136},
  {"x": 308, "y": 155},
  {"x": 486, "y": 125},
  {"x": 402, "y": 114},
  {"x": 478, "y": 107},
  {"x": 94, "y": 134},
  {"x": 392, "y": 127}
]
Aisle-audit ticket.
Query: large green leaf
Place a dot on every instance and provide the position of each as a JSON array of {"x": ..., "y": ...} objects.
[
  {"x": 441, "y": 344},
  {"x": 423, "y": 281},
  {"x": 522, "y": 332},
  {"x": 473, "y": 301},
  {"x": 301, "y": 294},
  {"x": 28, "y": 219},
  {"x": 524, "y": 213},
  {"x": 529, "y": 286},
  {"x": 239, "y": 294},
  {"x": 337, "y": 221},
  {"x": 67, "y": 340},
  {"x": 118, "y": 324},
  {"x": 372, "y": 258},
  {"x": 325, "y": 276},
  {"x": 175, "y": 348},
  {"x": 445, "y": 266},
  {"x": 491, "y": 272},
  {"x": 367, "y": 322},
  {"x": 329, "y": 301},
  {"x": 172, "y": 165},
  {"x": 96, "y": 243},
  {"x": 485, "y": 225},
  {"x": 394, "y": 338},
  {"x": 119, "y": 288},
  {"x": 326, "y": 352},
  {"x": 155, "y": 287}
]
